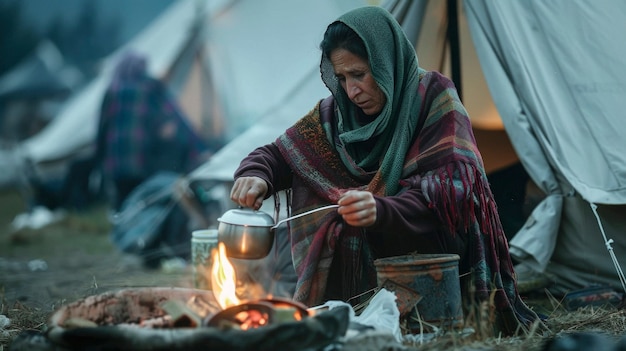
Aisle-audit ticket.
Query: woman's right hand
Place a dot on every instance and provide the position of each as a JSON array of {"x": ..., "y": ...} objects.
[{"x": 249, "y": 192}]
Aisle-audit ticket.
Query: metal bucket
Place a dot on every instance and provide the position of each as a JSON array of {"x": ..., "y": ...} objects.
[{"x": 433, "y": 282}]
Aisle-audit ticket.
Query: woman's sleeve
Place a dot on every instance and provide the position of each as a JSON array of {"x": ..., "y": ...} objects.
[
  {"x": 406, "y": 212},
  {"x": 266, "y": 162}
]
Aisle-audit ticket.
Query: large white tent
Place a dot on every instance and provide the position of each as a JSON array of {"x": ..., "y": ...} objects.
[
  {"x": 271, "y": 65},
  {"x": 554, "y": 74}
]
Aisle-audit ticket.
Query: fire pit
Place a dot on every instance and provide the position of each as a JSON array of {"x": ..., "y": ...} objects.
[
  {"x": 193, "y": 319},
  {"x": 134, "y": 319}
]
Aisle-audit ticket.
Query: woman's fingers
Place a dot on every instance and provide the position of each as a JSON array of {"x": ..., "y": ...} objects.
[
  {"x": 249, "y": 192},
  {"x": 358, "y": 208}
]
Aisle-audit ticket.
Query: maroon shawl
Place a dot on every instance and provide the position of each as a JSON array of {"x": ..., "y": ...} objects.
[{"x": 444, "y": 156}]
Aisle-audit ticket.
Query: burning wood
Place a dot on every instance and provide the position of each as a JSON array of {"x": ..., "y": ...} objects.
[{"x": 181, "y": 314}]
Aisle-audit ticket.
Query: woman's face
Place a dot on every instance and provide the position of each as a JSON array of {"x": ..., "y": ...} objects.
[{"x": 357, "y": 81}]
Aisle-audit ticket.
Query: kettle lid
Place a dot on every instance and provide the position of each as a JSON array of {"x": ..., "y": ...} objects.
[{"x": 247, "y": 217}]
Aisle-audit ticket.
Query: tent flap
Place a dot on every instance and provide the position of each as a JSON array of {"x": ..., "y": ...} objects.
[{"x": 558, "y": 104}]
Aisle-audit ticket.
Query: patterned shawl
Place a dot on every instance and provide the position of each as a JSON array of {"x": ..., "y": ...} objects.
[{"x": 429, "y": 137}]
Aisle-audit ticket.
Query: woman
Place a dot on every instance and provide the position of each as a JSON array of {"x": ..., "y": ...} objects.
[{"x": 394, "y": 148}]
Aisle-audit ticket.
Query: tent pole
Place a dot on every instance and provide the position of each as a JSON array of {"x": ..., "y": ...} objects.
[{"x": 452, "y": 35}]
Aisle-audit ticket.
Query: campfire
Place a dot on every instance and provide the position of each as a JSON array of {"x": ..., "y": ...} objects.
[
  {"x": 245, "y": 314},
  {"x": 232, "y": 312},
  {"x": 182, "y": 319}
]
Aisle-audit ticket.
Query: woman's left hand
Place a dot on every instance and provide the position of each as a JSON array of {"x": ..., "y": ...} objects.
[{"x": 358, "y": 208}]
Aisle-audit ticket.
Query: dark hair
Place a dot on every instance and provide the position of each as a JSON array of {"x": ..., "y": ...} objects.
[{"x": 339, "y": 36}]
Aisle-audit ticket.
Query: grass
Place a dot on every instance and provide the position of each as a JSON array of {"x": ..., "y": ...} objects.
[
  {"x": 81, "y": 228},
  {"x": 81, "y": 262}
]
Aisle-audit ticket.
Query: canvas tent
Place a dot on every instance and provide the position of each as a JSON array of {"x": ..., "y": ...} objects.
[
  {"x": 553, "y": 72},
  {"x": 281, "y": 83},
  {"x": 229, "y": 63},
  {"x": 31, "y": 92},
  {"x": 555, "y": 75},
  {"x": 174, "y": 46},
  {"x": 42, "y": 73}
]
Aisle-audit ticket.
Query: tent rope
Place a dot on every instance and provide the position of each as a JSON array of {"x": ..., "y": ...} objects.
[{"x": 608, "y": 243}]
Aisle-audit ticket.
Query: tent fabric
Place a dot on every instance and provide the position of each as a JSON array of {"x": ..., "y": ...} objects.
[
  {"x": 554, "y": 74},
  {"x": 43, "y": 73},
  {"x": 426, "y": 25},
  {"x": 162, "y": 42},
  {"x": 580, "y": 257},
  {"x": 137, "y": 227},
  {"x": 559, "y": 89},
  {"x": 258, "y": 58},
  {"x": 270, "y": 93}
]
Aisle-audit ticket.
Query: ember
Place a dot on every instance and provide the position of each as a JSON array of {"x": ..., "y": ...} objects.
[
  {"x": 256, "y": 314},
  {"x": 245, "y": 316}
]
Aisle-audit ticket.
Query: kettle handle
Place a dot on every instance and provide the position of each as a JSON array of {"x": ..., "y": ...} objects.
[{"x": 304, "y": 214}]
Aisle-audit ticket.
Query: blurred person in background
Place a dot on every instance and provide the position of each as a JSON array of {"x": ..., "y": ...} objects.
[
  {"x": 144, "y": 145},
  {"x": 142, "y": 130}
]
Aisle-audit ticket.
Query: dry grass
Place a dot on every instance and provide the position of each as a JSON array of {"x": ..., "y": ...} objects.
[
  {"x": 608, "y": 321},
  {"x": 478, "y": 331},
  {"x": 23, "y": 318}
]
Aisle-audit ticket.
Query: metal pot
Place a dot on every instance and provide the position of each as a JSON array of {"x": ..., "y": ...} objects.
[
  {"x": 246, "y": 233},
  {"x": 249, "y": 234}
]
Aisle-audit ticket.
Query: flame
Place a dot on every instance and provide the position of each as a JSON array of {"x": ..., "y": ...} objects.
[{"x": 224, "y": 278}]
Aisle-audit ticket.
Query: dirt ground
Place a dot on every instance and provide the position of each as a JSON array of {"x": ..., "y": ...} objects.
[{"x": 44, "y": 269}]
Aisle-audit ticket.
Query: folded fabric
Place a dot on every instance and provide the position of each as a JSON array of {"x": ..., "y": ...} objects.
[{"x": 599, "y": 296}]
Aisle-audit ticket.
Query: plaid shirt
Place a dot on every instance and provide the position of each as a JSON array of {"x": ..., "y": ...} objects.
[{"x": 142, "y": 131}]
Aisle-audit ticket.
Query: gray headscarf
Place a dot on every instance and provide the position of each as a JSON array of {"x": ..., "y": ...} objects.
[{"x": 394, "y": 66}]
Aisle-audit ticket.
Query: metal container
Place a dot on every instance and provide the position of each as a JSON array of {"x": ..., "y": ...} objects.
[
  {"x": 246, "y": 233},
  {"x": 203, "y": 242},
  {"x": 435, "y": 278}
]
